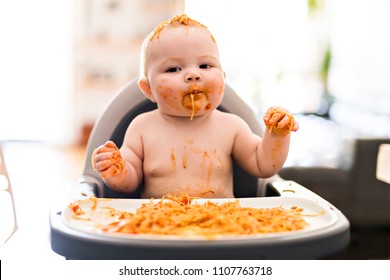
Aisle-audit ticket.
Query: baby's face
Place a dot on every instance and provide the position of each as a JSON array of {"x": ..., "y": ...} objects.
[{"x": 184, "y": 76}]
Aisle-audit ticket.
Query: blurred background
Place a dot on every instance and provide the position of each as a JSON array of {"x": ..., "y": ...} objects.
[{"x": 327, "y": 61}]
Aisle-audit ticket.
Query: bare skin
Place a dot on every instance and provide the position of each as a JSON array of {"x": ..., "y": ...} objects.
[{"x": 186, "y": 146}]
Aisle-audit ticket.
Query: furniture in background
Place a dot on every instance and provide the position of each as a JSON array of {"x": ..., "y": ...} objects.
[
  {"x": 336, "y": 157},
  {"x": 357, "y": 192},
  {"x": 383, "y": 163}
]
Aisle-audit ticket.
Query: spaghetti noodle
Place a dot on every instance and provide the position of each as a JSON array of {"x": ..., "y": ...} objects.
[{"x": 193, "y": 107}]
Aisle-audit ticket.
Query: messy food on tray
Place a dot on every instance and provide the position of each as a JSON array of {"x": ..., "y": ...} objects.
[{"x": 186, "y": 216}]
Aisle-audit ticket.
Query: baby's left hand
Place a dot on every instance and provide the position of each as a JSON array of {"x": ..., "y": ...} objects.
[{"x": 279, "y": 121}]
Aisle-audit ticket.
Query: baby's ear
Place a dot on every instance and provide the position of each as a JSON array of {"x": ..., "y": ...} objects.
[{"x": 145, "y": 88}]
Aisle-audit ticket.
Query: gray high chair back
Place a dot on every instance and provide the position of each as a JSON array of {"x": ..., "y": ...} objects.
[{"x": 112, "y": 125}]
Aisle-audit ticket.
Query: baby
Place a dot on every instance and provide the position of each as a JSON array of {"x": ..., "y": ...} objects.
[{"x": 186, "y": 145}]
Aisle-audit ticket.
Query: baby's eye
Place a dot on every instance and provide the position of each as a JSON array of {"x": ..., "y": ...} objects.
[
  {"x": 204, "y": 66},
  {"x": 173, "y": 69}
]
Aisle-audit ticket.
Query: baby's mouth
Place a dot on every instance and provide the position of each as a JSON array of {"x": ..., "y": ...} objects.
[{"x": 194, "y": 101}]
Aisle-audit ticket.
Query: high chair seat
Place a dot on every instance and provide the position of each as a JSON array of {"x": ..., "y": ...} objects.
[{"x": 112, "y": 124}]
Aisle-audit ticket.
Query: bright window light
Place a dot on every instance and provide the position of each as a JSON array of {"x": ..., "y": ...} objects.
[{"x": 264, "y": 47}]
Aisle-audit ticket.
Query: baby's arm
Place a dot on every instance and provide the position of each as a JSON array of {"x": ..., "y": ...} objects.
[
  {"x": 264, "y": 157},
  {"x": 276, "y": 139},
  {"x": 121, "y": 169}
]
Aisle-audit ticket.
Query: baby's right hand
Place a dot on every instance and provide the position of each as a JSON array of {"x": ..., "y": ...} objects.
[{"x": 107, "y": 160}]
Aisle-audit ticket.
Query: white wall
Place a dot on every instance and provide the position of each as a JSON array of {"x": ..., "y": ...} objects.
[
  {"x": 272, "y": 50},
  {"x": 360, "y": 34},
  {"x": 35, "y": 70},
  {"x": 108, "y": 39}
]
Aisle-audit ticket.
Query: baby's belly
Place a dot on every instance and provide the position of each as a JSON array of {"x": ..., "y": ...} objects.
[
  {"x": 218, "y": 185},
  {"x": 196, "y": 172}
]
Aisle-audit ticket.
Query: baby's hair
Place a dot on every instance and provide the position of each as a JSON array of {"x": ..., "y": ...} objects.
[{"x": 174, "y": 22}]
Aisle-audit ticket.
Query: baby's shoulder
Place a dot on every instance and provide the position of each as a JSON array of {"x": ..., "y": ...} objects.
[
  {"x": 231, "y": 122},
  {"x": 231, "y": 118},
  {"x": 144, "y": 119}
]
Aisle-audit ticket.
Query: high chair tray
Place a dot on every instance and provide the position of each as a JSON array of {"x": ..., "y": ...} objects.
[
  {"x": 318, "y": 217},
  {"x": 326, "y": 234}
]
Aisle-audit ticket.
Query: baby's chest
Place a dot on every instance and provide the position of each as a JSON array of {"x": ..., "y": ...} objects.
[{"x": 191, "y": 155}]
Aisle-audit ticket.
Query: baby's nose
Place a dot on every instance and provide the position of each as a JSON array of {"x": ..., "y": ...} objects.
[{"x": 192, "y": 77}]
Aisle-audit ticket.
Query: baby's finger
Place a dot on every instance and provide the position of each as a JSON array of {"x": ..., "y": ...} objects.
[
  {"x": 104, "y": 155},
  {"x": 103, "y": 165},
  {"x": 111, "y": 144},
  {"x": 296, "y": 126},
  {"x": 112, "y": 171},
  {"x": 276, "y": 117},
  {"x": 103, "y": 149},
  {"x": 285, "y": 121},
  {"x": 267, "y": 116},
  {"x": 98, "y": 157}
]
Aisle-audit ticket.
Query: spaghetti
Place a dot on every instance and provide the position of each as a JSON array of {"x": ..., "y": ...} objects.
[
  {"x": 193, "y": 106},
  {"x": 179, "y": 215}
]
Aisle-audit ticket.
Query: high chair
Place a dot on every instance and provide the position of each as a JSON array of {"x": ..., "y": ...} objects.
[{"x": 72, "y": 243}]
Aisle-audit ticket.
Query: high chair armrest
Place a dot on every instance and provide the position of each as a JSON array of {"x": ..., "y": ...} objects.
[
  {"x": 293, "y": 189},
  {"x": 72, "y": 192},
  {"x": 81, "y": 190}
]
